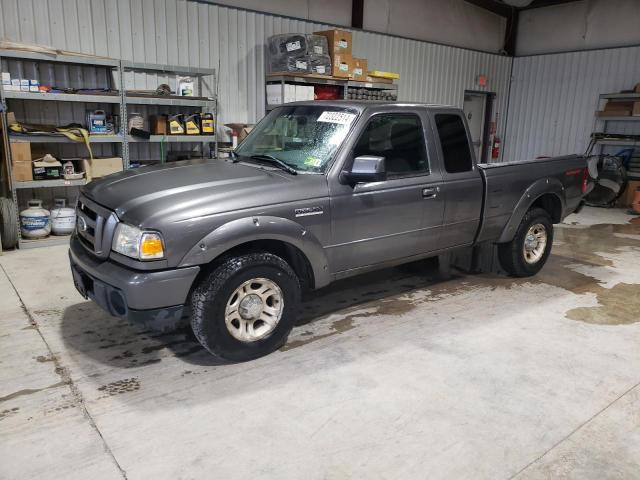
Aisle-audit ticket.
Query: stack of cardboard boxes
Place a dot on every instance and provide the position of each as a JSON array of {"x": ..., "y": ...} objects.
[
  {"x": 27, "y": 168},
  {"x": 343, "y": 63},
  {"x": 623, "y": 108}
]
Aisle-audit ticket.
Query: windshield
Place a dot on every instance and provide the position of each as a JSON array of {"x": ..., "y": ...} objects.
[{"x": 304, "y": 137}]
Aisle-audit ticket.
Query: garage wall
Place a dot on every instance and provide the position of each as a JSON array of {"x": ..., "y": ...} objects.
[
  {"x": 587, "y": 24},
  {"x": 554, "y": 98},
  {"x": 199, "y": 34},
  {"x": 454, "y": 22}
]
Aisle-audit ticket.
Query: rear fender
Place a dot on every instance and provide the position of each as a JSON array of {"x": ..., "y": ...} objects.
[
  {"x": 254, "y": 228},
  {"x": 530, "y": 195}
]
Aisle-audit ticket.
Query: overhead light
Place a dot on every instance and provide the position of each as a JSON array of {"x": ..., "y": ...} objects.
[{"x": 518, "y": 3}]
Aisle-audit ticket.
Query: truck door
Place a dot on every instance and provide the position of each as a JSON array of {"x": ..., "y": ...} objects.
[
  {"x": 396, "y": 218},
  {"x": 462, "y": 188}
]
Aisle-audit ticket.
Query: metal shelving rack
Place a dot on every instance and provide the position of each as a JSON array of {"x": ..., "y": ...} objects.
[
  {"x": 202, "y": 103},
  {"x": 102, "y": 99},
  {"x": 310, "y": 79},
  {"x": 122, "y": 98},
  {"x": 620, "y": 97}
]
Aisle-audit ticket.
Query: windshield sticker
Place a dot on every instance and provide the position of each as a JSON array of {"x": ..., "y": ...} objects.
[
  {"x": 312, "y": 162},
  {"x": 343, "y": 118}
]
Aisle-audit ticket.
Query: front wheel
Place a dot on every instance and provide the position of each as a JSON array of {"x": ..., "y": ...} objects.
[
  {"x": 527, "y": 253},
  {"x": 246, "y": 307}
]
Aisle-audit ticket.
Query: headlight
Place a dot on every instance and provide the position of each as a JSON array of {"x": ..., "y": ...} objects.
[{"x": 136, "y": 243}]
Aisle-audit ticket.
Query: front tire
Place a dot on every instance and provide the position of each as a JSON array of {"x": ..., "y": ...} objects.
[
  {"x": 530, "y": 248},
  {"x": 246, "y": 307}
]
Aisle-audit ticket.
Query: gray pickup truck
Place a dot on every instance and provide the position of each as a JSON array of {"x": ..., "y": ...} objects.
[{"x": 317, "y": 192}]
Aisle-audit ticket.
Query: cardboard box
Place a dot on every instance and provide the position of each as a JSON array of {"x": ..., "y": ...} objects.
[
  {"x": 613, "y": 113},
  {"x": 158, "y": 125},
  {"x": 101, "y": 167},
  {"x": 47, "y": 168},
  {"x": 22, "y": 171},
  {"x": 626, "y": 199},
  {"x": 339, "y": 41},
  {"x": 378, "y": 80},
  {"x": 274, "y": 94},
  {"x": 636, "y": 109},
  {"x": 342, "y": 65},
  {"x": 303, "y": 93},
  {"x": 241, "y": 129},
  {"x": 360, "y": 69},
  {"x": 20, "y": 152},
  {"x": 637, "y": 89}
]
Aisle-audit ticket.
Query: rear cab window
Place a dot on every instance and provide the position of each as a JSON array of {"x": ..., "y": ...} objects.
[{"x": 456, "y": 152}]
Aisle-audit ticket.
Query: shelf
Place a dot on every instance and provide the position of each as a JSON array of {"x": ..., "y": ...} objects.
[
  {"x": 17, "y": 138},
  {"x": 317, "y": 79},
  {"x": 44, "y": 57},
  {"x": 172, "y": 100},
  {"x": 620, "y": 96},
  {"x": 50, "y": 183},
  {"x": 620, "y": 143},
  {"x": 50, "y": 241},
  {"x": 63, "y": 97},
  {"x": 372, "y": 85},
  {"x": 175, "y": 138},
  {"x": 171, "y": 69},
  {"x": 627, "y": 118}
]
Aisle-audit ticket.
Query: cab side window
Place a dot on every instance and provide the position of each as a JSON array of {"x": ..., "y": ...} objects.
[
  {"x": 400, "y": 139},
  {"x": 454, "y": 142}
]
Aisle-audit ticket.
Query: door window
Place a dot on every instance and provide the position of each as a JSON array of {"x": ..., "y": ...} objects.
[
  {"x": 454, "y": 142},
  {"x": 397, "y": 138}
]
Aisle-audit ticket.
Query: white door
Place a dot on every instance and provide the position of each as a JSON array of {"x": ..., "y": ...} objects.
[{"x": 474, "y": 110}]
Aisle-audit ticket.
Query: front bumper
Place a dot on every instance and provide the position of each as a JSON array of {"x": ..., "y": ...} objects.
[{"x": 154, "y": 299}]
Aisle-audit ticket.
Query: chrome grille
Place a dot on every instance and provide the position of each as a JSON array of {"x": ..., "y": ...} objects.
[{"x": 95, "y": 226}]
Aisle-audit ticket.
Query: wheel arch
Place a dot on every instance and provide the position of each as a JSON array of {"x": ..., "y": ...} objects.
[
  {"x": 280, "y": 236},
  {"x": 546, "y": 193}
]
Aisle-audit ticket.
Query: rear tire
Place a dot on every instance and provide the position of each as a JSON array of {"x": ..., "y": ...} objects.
[
  {"x": 526, "y": 254},
  {"x": 8, "y": 223},
  {"x": 237, "y": 331}
]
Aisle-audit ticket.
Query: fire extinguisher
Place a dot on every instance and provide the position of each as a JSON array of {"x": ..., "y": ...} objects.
[{"x": 495, "y": 148}]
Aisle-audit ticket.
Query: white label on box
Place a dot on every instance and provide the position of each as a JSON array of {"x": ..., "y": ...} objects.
[
  {"x": 317, "y": 49},
  {"x": 34, "y": 82},
  {"x": 24, "y": 88},
  {"x": 34, "y": 88},
  {"x": 15, "y": 82},
  {"x": 342, "y": 118},
  {"x": 343, "y": 44},
  {"x": 301, "y": 65},
  {"x": 320, "y": 68},
  {"x": 344, "y": 67},
  {"x": 368, "y": 85},
  {"x": 293, "y": 46},
  {"x": 357, "y": 71},
  {"x": 24, "y": 81},
  {"x": 6, "y": 78}
]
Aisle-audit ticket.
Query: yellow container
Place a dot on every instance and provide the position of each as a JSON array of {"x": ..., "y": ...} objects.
[{"x": 381, "y": 74}]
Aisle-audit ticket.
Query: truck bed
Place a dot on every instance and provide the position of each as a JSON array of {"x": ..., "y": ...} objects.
[{"x": 506, "y": 182}]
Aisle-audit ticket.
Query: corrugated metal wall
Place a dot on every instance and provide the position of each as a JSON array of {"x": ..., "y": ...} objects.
[
  {"x": 554, "y": 97},
  {"x": 200, "y": 34}
]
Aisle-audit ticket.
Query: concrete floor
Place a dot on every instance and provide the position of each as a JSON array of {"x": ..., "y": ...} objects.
[{"x": 390, "y": 375}]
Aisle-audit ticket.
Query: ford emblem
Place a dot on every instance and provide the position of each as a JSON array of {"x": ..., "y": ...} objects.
[{"x": 82, "y": 224}]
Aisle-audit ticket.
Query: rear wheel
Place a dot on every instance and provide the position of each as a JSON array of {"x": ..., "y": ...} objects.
[
  {"x": 246, "y": 307},
  {"x": 527, "y": 253},
  {"x": 8, "y": 223}
]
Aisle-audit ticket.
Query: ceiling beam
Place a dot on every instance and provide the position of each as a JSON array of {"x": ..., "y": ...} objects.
[{"x": 496, "y": 7}]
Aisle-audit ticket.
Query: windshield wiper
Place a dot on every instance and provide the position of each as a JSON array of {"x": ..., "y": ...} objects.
[{"x": 277, "y": 162}]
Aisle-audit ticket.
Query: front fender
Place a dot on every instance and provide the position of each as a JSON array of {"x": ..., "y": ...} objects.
[
  {"x": 530, "y": 195},
  {"x": 243, "y": 230}
]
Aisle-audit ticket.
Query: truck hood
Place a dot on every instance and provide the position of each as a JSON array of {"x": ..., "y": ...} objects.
[{"x": 178, "y": 191}]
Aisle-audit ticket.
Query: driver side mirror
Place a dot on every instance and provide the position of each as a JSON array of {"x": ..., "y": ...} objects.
[{"x": 365, "y": 169}]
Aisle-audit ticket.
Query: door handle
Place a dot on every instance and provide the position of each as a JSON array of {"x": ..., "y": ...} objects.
[{"x": 430, "y": 192}]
